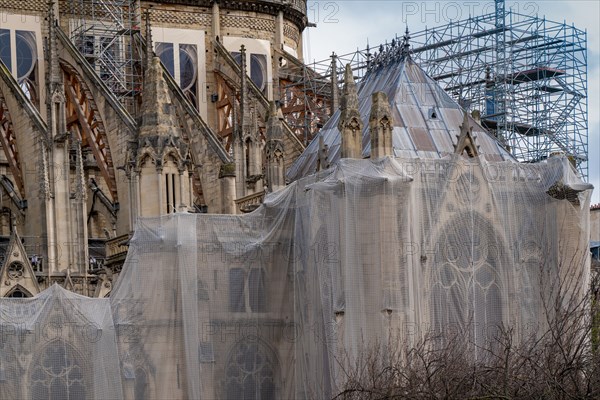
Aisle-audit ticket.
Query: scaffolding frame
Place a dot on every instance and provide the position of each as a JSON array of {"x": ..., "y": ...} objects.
[
  {"x": 307, "y": 99},
  {"x": 525, "y": 75},
  {"x": 104, "y": 32}
]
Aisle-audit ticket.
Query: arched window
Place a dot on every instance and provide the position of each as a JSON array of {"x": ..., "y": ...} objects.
[
  {"x": 247, "y": 290},
  {"x": 18, "y": 292},
  {"x": 58, "y": 373},
  {"x": 467, "y": 279},
  {"x": 250, "y": 372}
]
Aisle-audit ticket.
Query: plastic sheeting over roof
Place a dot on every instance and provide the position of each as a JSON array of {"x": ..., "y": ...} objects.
[{"x": 426, "y": 120}]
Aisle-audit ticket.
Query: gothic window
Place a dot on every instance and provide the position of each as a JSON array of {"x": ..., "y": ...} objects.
[
  {"x": 237, "y": 278},
  {"x": 18, "y": 292},
  {"x": 5, "y": 48},
  {"x": 250, "y": 373},
  {"x": 247, "y": 290},
  {"x": 167, "y": 56},
  {"x": 181, "y": 60},
  {"x": 16, "y": 270},
  {"x": 188, "y": 69},
  {"x": 258, "y": 70},
  {"x": 57, "y": 374},
  {"x": 467, "y": 279},
  {"x": 256, "y": 289},
  {"x": 24, "y": 61}
]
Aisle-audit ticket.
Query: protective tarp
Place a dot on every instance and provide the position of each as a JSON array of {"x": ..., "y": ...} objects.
[
  {"x": 58, "y": 345},
  {"x": 281, "y": 302}
]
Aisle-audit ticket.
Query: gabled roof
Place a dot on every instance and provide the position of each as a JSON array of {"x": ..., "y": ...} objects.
[{"x": 427, "y": 120}]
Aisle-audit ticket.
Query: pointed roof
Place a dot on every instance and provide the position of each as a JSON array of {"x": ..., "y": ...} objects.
[
  {"x": 274, "y": 126},
  {"x": 157, "y": 108},
  {"x": 16, "y": 271},
  {"x": 426, "y": 119}
]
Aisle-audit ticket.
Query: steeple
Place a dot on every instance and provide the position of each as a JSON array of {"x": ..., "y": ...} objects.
[
  {"x": 157, "y": 113},
  {"x": 350, "y": 123},
  {"x": 159, "y": 160}
]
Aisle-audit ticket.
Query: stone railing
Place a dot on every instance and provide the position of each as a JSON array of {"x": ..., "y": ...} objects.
[
  {"x": 116, "y": 247},
  {"x": 251, "y": 202}
]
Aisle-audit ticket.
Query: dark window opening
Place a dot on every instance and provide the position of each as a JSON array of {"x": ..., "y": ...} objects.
[
  {"x": 256, "y": 289},
  {"x": 237, "y": 298}
]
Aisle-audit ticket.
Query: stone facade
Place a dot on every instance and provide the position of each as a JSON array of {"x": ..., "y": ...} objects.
[{"x": 83, "y": 160}]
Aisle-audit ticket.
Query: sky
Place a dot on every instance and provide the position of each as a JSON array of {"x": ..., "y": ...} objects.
[{"x": 345, "y": 25}]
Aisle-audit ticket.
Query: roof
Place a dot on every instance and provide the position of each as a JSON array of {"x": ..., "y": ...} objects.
[{"x": 426, "y": 119}]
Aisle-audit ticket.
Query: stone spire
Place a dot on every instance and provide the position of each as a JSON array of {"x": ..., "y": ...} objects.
[
  {"x": 350, "y": 124},
  {"x": 274, "y": 149},
  {"x": 158, "y": 162},
  {"x": 380, "y": 125},
  {"x": 334, "y": 84},
  {"x": 149, "y": 44},
  {"x": 157, "y": 110}
]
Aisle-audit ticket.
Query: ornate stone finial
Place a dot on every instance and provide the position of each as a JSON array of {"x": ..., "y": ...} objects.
[
  {"x": 406, "y": 43},
  {"x": 55, "y": 72},
  {"x": 246, "y": 118},
  {"x": 274, "y": 149},
  {"x": 350, "y": 124},
  {"x": 274, "y": 125},
  {"x": 157, "y": 115},
  {"x": 466, "y": 141},
  {"x": 335, "y": 101},
  {"x": 149, "y": 45},
  {"x": 380, "y": 125}
]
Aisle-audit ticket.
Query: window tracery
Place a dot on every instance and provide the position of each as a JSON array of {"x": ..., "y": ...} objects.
[
  {"x": 250, "y": 373},
  {"x": 467, "y": 280},
  {"x": 57, "y": 374}
]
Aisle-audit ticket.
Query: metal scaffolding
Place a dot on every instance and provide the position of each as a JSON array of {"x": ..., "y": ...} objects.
[
  {"x": 525, "y": 75},
  {"x": 103, "y": 31}
]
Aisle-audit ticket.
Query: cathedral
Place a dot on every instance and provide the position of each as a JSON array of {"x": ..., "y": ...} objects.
[
  {"x": 96, "y": 133},
  {"x": 177, "y": 232}
]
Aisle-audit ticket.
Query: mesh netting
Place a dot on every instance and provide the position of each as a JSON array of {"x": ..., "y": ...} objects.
[{"x": 280, "y": 302}]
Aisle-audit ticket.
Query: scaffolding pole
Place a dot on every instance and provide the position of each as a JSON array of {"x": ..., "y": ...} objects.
[
  {"x": 526, "y": 75},
  {"x": 103, "y": 31}
]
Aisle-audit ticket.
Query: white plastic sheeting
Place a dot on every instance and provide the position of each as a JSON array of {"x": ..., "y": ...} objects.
[
  {"x": 279, "y": 302},
  {"x": 58, "y": 345}
]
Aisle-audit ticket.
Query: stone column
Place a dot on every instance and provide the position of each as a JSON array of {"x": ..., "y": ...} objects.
[
  {"x": 227, "y": 178},
  {"x": 216, "y": 20}
]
